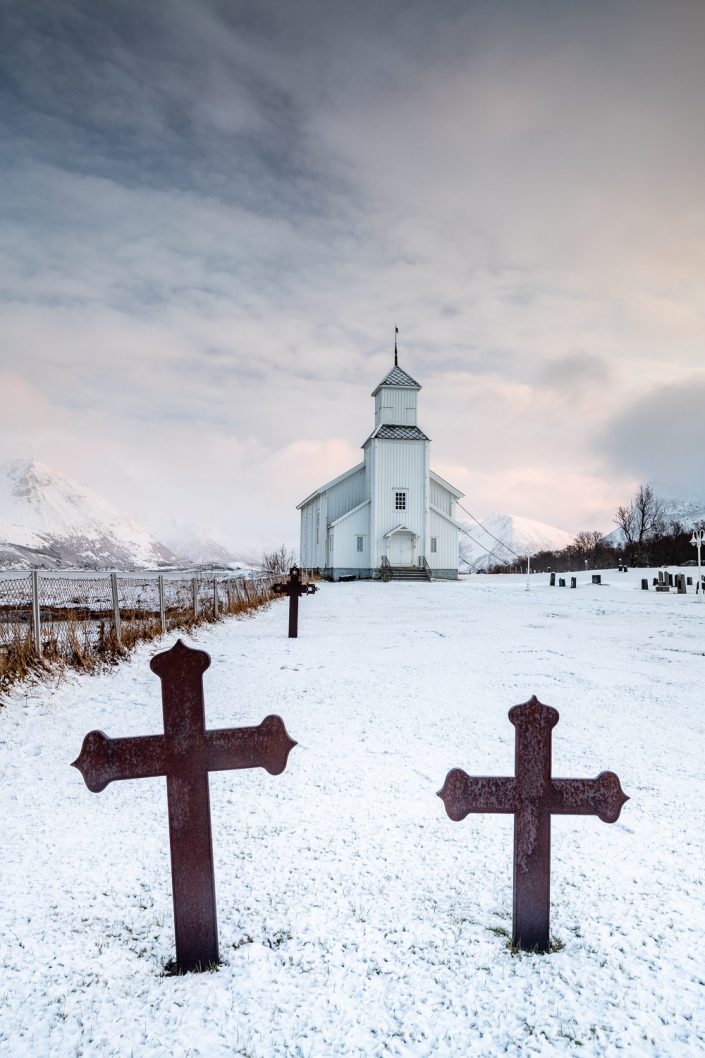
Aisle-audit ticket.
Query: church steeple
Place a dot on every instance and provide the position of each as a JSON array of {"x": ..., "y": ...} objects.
[{"x": 396, "y": 358}]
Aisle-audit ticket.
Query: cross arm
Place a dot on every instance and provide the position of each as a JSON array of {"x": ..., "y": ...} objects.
[
  {"x": 462, "y": 794},
  {"x": 601, "y": 797},
  {"x": 102, "y": 760},
  {"x": 266, "y": 746}
]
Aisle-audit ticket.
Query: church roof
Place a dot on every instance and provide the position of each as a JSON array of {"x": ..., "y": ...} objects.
[
  {"x": 397, "y": 377},
  {"x": 397, "y": 432},
  {"x": 400, "y": 433}
]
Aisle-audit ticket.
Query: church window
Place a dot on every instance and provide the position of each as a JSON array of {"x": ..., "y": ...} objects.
[
  {"x": 399, "y": 501},
  {"x": 359, "y": 543},
  {"x": 434, "y": 545}
]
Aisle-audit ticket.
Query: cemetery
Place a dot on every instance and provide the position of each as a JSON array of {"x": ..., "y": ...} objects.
[{"x": 333, "y": 905}]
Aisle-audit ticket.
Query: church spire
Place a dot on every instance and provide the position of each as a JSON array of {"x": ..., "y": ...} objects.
[{"x": 396, "y": 357}]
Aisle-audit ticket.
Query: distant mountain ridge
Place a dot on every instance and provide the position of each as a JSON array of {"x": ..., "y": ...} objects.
[
  {"x": 502, "y": 537},
  {"x": 49, "y": 521}
]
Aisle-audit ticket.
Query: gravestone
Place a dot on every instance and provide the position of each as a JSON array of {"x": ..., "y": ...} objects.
[
  {"x": 597, "y": 578},
  {"x": 185, "y": 754},
  {"x": 553, "y": 580},
  {"x": 294, "y": 588},
  {"x": 670, "y": 580},
  {"x": 532, "y": 795},
  {"x": 680, "y": 584},
  {"x": 645, "y": 584},
  {"x": 661, "y": 577},
  {"x": 573, "y": 582},
  {"x": 561, "y": 582},
  {"x": 689, "y": 581},
  {"x": 656, "y": 581}
]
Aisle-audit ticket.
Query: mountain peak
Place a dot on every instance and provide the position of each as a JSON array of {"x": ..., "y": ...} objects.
[
  {"x": 500, "y": 538},
  {"x": 45, "y": 517}
]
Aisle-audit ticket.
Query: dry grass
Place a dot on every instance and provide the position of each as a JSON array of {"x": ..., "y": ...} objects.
[{"x": 86, "y": 641}]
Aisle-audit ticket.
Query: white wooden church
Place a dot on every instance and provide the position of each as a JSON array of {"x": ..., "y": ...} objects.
[{"x": 391, "y": 514}]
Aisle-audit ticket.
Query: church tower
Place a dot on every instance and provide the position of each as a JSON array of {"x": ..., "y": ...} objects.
[
  {"x": 396, "y": 456},
  {"x": 390, "y": 516}
]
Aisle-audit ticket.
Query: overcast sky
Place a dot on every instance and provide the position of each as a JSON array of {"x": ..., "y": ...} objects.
[{"x": 214, "y": 212}]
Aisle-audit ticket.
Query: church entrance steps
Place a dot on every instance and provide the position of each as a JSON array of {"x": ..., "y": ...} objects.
[{"x": 408, "y": 573}]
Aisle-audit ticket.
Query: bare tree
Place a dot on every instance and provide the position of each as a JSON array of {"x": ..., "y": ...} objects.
[
  {"x": 278, "y": 561},
  {"x": 642, "y": 519},
  {"x": 587, "y": 545}
]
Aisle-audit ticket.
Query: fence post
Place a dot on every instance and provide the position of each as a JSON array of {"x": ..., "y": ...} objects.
[
  {"x": 36, "y": 615},
  {"x": 215, "y": 596},
  {"x": 117, "y": 625},
  {"x": 194, "y": 590},
  {"x": 162, "y": 613}
]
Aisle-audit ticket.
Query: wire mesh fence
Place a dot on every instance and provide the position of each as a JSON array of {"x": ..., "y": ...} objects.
[{"x": 83, "y": 621}]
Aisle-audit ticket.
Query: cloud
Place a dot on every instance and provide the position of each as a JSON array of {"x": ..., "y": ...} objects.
[
  {"x": 214, "y": 213},
  {"x": 661, "y": 438}
]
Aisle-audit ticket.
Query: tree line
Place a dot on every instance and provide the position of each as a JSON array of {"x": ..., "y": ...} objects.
[{"x": 649, "y": 538}]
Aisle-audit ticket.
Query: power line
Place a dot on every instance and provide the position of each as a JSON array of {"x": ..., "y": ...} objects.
[{"x": 489, "y": 552}]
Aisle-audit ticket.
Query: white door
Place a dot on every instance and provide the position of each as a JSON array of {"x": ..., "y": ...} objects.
[{"x": 401, "y": 552}]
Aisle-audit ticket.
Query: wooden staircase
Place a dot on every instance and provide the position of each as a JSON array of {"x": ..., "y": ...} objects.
[{"x": 409, "y": 573}]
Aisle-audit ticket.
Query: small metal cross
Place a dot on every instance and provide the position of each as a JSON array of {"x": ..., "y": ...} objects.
[
  {"x": 185, "y": 753},
  {"x": 294, "y": 588},
  {"x": 532, "y": 796}
]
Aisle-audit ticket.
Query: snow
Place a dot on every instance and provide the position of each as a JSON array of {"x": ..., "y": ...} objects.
[
  {"x": 42, "y": 509},
  {"x": 355, "y": 918},
  {"x": 520, "y": 535}
]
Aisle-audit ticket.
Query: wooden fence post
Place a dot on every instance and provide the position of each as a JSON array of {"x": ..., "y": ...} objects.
[
  {"x": 36, "y": 615},
  {"x": 194, "y": 589},
  {"x": 117, "y": 624},
  {"x": 162, "y": 613}
]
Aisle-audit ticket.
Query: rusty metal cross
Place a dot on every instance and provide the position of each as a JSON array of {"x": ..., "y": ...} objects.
[
  {"x": 294, "y": 588},
  {"x": 185, "y": 753},
  {"x": 532, "y": 796}
]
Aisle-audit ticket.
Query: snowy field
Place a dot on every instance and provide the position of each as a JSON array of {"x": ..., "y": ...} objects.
[{"x": 355, "y": 918}]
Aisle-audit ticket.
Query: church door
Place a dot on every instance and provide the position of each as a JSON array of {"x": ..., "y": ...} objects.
[{"x": 401, "y": 549}]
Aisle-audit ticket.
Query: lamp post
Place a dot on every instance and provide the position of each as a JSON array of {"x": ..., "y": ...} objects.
[{"x": 697, "y": 540}]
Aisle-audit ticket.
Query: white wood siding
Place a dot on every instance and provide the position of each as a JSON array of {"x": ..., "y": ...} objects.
[
  {"x": 399, "y": 467},
  {"x": 346, "y": 532},
  {"x": 396, "y": 406},
  {"x": 346, "y": 494},
  {"x": 446, "y": 556},
  {"x": 441, "y": 498}
]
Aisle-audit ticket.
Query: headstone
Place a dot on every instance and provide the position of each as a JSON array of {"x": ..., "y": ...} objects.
[
  {"x": 573, "y": 582},
  {"x": 294, "y": 588},
  {"x": 680, "y": 583},
  {"x": 185, "y": 753},
  {"x": 561, "y": 582},
  {"x": 645, "y": 584},
  {"x": 532, "y": 795},
  {"x": 553, "y": 580},
  {"x": 656, "y": 581},
  {"x": 662, "y": 587},
  {"x": 689, "y": 581},
  {"x": 597, "y": 578},
  {"x": 670, "y": 580},
  {"x": 661, "y": 577}
]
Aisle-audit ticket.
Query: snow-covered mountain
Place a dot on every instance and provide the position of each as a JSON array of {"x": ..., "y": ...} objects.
[
  {"x": 197, "y": 545},
  {"x": 48, "y": 520},
  {"x": 503, "y": 536}
]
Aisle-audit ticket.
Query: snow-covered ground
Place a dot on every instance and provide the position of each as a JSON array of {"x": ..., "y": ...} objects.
[{"x": 355, "y": 918}]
